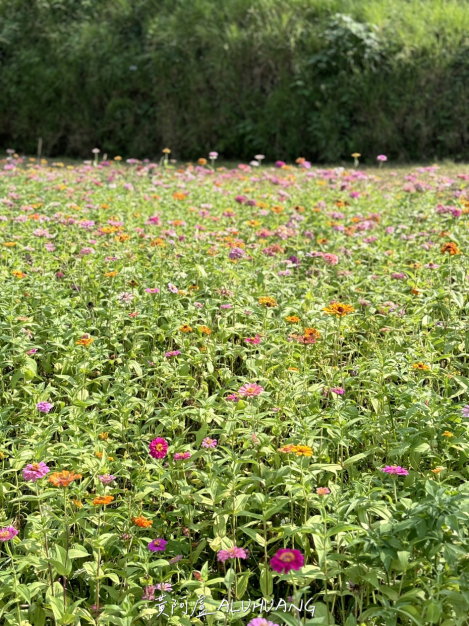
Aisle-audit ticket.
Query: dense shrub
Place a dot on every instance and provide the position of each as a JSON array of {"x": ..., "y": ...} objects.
[{"x": 309, "y": 77}]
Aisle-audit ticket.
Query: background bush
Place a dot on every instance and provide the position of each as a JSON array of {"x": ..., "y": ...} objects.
[{"x": 313, "y": 78}]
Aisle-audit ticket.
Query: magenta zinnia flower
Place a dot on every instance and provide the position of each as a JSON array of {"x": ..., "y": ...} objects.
[
  {"x": 209, "y": 443},
  {"x": 285, "y": 560},
  {"x": 465, "y": 411},
  {"x": 158, "y": 448},
  {"x": 35, "y": 471},
  {"x": 250, "y": 390},
  {"x": 395, "y": 469},
  {"x": 338, "y": 390},
  {"x": 152, "y": 290},
  {"x": 231, "y": 553},
  {"x": 157, "y": 545},
  {"x": 6, "y": 534},
  {"x": 44, "y": 407},
  {"x": 172, "y": 353}
]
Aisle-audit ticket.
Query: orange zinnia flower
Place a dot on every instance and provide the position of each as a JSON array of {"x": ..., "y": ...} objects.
[
  {"x": 178, "y": 195},
  {"x": 450, "y": 247},
  {"x": 447, "y": 433},
  {"x": 111, "y": 274},
  {"x": 268, "y": 301},
  {"x": 185, "y": 328},
  {"x": 104, "y": 500},
  {"x": 303, "y": 451},
  {"x": 103, "y": 436},
  {"x": 205, "y": 329},
  {"x": 18, "y": 274},
  {"x": 312, "y": 332},
  {"x": 338, "y": 309},
  {"x": 64, "y": 478},
  {"x": 420, "y": 366},
  {"x": 293, "y": 319},
  {"x": 287, "y": 449},
  {"x": 143, "y": 522},
  {"x": 84, "y": 341}
]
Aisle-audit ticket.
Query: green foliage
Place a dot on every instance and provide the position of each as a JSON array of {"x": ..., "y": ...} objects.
[
  {"x": 137, "y": 304},
  {"x": 319, "y": 78}
]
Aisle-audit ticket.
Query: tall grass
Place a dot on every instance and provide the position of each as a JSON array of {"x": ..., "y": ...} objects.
[{"x": 317, "y": 78}]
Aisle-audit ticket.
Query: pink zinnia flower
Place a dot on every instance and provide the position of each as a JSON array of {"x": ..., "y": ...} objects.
[
  {"x": 182, "y": 456},
  {"x": 382, "y": 158},
  {"x": 106, "y": 479},
  {"x": 149, "y": 592},
  {"x": 176, "y": 559},
  {"x": 287, "y": 559},
  {"x": 233, "y": 397},
  {"x": 330, "y": 259},
  {"x": 158, "y": 448},
  {"x": 199, "y": 305},
  {"x": 35, "y": 471},
  {"x": 250, "y": 390},
  {"x": 395, "y": 470},
  {"x": 172, "y": 353},
  {"x": 253, "y": 340},
  {"x": 44, "y": 407},
  {"x": 157, "y": 545},
  {"x": 32, "y": 351},
  {"x": 209, "y": 443},
  {"x": 6, "y": 534},
  {"x": 152, "y": 290},
  {"x": 338, "y": 390},
  {"x": 465, "y": 411},
  {"x": 261, "y": 621},
  {"x": 163, "y": 587},
  {"x": 322, "y": 491},
  {"x": 172, "y": 288},
  {"x": 231, "y": 553}
]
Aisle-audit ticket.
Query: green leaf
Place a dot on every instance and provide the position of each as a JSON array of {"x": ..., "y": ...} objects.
[{"x": 266, "y": 582}]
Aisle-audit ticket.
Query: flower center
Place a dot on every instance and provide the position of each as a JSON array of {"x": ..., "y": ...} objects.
[
  {"x": 4, "y": 534},
  {"x": 287, "y": 557},
  {"x": 35, "y": 466},
  {"x": 159, "y": 446}
]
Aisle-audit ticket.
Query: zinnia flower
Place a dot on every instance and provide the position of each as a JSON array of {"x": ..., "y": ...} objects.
[
  {"x": 286, "y": 560},
  {"x": 181, "y": 456},
  {"x": 261, "y": 621},
  {"x": 209, "y": 443},
  {"x": 172, "y": 288},
  {"x": 44, "y": 407},
  {"x": 396, "y": 470},
  {"x": 104, "y": 500},
  {"x": 322, "y": 491},
  {"x": 250, "y": 390},
  {"x": 465, "y": 411},
  {"x": 163, "y": 587},
  {"x": 158, "y": 448},
  {"x": 106, "y": 479},
  {"x": 64, "y": 478},
  {"x": 6, "y": 534},
  {"x": 172, "y": 353},
  {"x": 338, "y": 309},
  {"x": 35, "y": 471},
  {"x": 157, "y": 545},
  {"x": 231, "y": 553},
  {"x": 142, "y": 522},
  {"x": 338, "y": 390},
  {"x": 253, "y": 340}
]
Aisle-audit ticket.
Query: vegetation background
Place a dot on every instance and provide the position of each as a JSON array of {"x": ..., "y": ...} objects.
[{"x": 314, "y": 78}]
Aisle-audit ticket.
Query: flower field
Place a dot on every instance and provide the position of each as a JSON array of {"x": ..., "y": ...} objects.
[{"x": 233, "y": 394}]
